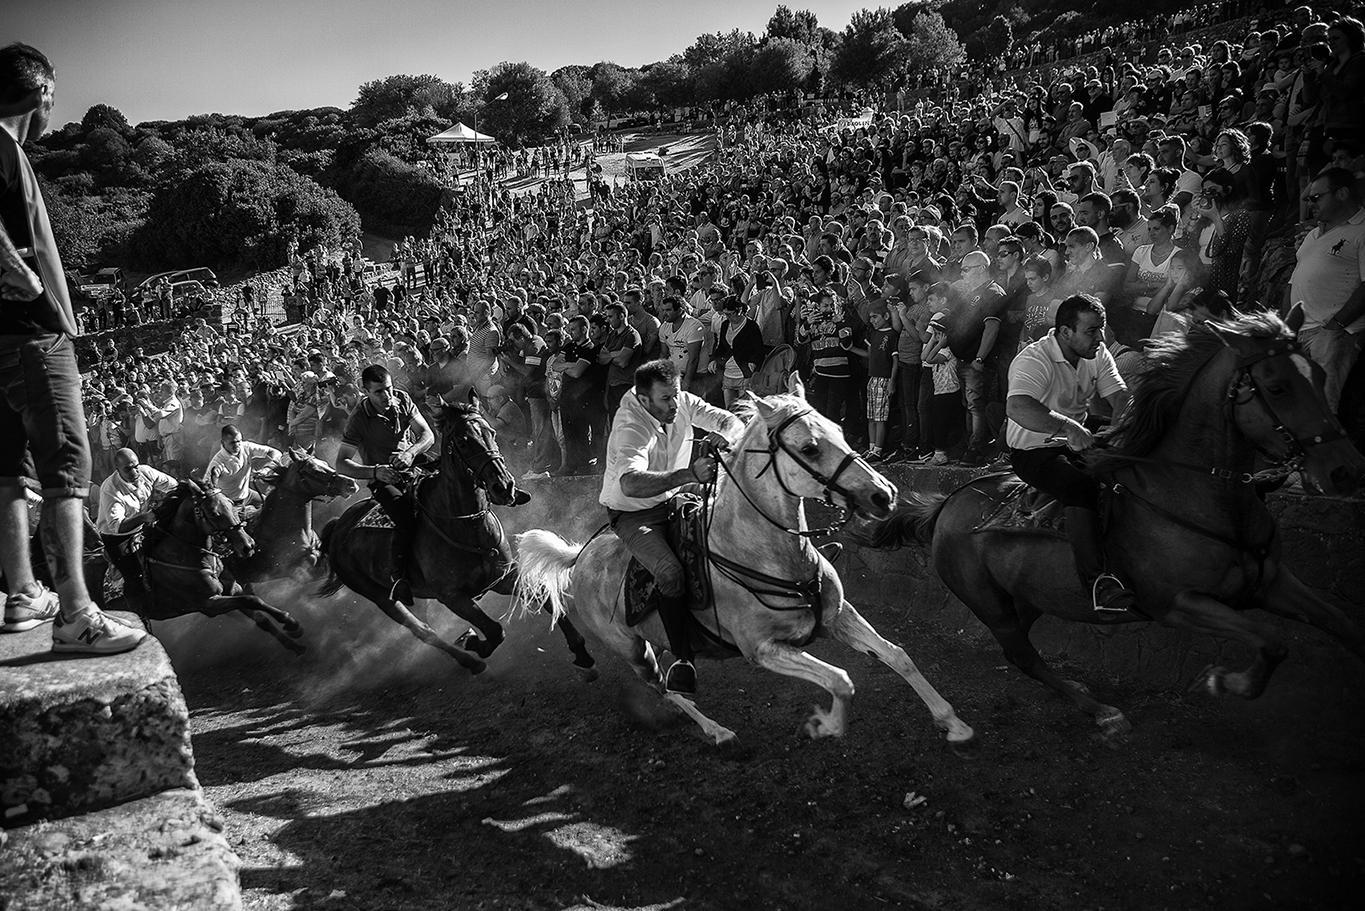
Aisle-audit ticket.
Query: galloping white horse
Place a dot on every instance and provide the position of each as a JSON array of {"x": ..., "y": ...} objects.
[{"x": 773, "y": 591}]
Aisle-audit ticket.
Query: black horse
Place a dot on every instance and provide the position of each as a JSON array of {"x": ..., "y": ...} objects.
[{"x": 459, "y": 552}]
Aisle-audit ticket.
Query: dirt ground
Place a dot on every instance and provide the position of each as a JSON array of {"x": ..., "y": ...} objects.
[{"x": 374, "y": 774}]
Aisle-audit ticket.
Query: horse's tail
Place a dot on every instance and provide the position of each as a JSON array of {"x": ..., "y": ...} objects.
[
  {"x": 912, "y": 520},
  {"x": 331, "y": 585},
  {"x": 545, "y": 564}
]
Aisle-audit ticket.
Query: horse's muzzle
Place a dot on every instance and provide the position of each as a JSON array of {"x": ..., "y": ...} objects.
[{"x": 1333, "y": 468}]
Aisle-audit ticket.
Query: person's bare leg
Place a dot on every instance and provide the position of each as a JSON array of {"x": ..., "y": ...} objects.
[
  {"x": 15, "y": 557},
  {"x": 63, "y": 531}
]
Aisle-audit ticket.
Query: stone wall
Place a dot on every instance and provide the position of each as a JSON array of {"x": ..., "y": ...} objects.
[{"x": 1324, "y": 544}]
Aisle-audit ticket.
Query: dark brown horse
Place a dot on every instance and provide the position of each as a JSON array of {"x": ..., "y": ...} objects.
[
  {"x": 1187, "y": 531},
  {"x": 286, "y": 544},
  {"x": 183, "y": 573},
  {"x": 459, "y": 552}
]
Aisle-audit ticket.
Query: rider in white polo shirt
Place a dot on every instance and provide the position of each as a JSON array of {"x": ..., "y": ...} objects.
[
  {"x": 649, "y": 459},
  {"x": 1051, "y": 384}
]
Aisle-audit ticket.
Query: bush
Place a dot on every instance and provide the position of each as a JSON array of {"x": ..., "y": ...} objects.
[
  {"x": 246, "y": 213},
  {"x": 393, "y": 197}
]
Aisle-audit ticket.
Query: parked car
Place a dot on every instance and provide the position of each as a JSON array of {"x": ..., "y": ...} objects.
[
  {"x": 105, "y": 282},
  {"x": 205, "y": 277}
]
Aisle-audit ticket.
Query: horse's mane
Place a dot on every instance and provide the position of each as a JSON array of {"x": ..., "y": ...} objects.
[
  {"x": 163, "y": 513},
  {"x": 458, "y": 416},
  {"x": 746, "y": 409},
  {"x": 1163, "y": 383}
]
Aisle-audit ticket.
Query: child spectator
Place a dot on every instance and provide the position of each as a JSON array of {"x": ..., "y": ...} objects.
[{"x": 882, "y": 368}]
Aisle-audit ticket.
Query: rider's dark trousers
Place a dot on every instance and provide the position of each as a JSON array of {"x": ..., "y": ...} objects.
[
  {"x": 134, "y": 591},
  {"x": 1052, "y": 470},
  {"x": 399, "y": 509},
  {"x": 645, "y": 534}
]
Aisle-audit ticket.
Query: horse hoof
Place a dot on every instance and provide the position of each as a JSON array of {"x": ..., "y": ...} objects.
[
  {"x": 586, "y": 674},
  {"x": 1211, "y": 680},
  {"x": 733, "y": 748},
  {"x": 1112, "y": 723},
  {"x": 822, "y": 724},
  {"x": 293, "y": 631},
  {"x": 966, "y": 749},
  {"x": 1078, "y": 687},
  {"x": 470, "y": 641},
  {"x": 299, "y": 650},
  {"x": 475, "y": 667}
]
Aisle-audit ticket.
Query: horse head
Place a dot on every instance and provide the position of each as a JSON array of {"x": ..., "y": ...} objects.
[
  {"x": 470, "y": 449},
  {"x": 312, "y": 478},
  {"x": 1276, "y": 393},
  {"x": 216, "y": 518},
  {"x": 810, "y": 458}
]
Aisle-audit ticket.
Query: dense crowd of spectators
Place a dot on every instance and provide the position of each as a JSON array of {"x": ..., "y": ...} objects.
[
  {"x": 1049, "y": 48},
  {"x": 904, "y": 263}
]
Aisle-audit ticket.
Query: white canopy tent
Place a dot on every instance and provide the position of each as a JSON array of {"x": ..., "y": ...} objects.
[{"x": 459, "y": 133}]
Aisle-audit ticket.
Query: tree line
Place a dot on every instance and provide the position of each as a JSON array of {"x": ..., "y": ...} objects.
[{"x": 234, "y": 192}]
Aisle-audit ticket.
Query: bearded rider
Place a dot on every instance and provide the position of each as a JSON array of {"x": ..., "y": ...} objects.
[{"x": 648, "y": 461}]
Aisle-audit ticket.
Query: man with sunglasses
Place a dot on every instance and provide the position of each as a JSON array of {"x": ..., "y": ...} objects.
[{"x": 1329, "y": 278}]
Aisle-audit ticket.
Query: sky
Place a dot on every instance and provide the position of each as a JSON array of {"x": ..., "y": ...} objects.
[{"x": 168, "y": 59}]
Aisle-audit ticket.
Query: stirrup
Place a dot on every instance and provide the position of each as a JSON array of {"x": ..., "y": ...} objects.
[
  {"x": 1120, "y": 601},
  {"x": 681, "y": 679},
  {"x": 394, "y": 593}
]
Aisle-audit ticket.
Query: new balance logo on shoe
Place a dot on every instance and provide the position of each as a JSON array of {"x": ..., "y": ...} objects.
[{"x": 90, "y": 635}]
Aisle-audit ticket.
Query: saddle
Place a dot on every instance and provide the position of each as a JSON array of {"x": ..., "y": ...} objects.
[
  {"x": 1022, "y": 509},
  {"x": 687, "y": 537}
]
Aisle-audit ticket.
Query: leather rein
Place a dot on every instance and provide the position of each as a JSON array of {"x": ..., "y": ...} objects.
[{"x": 759, "y": 584}]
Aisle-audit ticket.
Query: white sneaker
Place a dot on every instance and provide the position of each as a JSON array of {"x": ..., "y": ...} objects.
[
  {"x": 940, "y": 458},
  {"x": 25, "y": 610},
  {"x": 95, "y": 633},
  {"x": 535, "y": 476}
]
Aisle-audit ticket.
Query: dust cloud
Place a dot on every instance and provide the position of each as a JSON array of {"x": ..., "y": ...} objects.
[{"x": 353, "y": 647}]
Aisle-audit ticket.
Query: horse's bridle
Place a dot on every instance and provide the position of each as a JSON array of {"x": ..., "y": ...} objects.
[
  {"x": 830, "y": 483},
  {"x": 491, "y": 455},
  {"x": 1244, "y": 379},
  {"x": 1296, "y": 447}
]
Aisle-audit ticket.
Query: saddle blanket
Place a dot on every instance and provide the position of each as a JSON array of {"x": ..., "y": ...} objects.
[
  {"x": 687, "y": 537},
  {"x": 1022, "y": 509},
  {"x": 374, "y": 517}
]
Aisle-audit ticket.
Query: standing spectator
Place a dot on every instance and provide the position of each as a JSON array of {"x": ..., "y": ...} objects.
[
  {"x": 533, "y": 351},
  {"x": 972, "y": 326},
  {"x": 823, "y": 325},
  {"x": 1330, "y": 278},
  {"x": 681, "y": 337},
  {"x": 41, "y": 412},
  {"x": 739, "y": 350},
  {"x": 914, "y": 386},
  {"x": 620, "y": 354},
  {"x": 1224, "y": 240},
  {"x": 882, "y": 368}
]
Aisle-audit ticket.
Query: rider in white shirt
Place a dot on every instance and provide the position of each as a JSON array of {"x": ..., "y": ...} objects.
[
  {"x": 125, "y": 497},
  {"x": 649, "y": 459},
  {"x": 230, "y": 468}
]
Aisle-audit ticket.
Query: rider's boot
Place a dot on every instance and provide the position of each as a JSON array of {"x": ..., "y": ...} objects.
[
  {"x": 1107, "y": 593},
  {"x": 401, "y": 592},
  {"x": 682, "y": 676}
]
